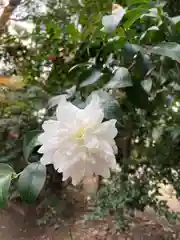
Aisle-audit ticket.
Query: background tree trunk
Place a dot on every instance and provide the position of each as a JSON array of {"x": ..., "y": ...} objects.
[{"x": 8, "y": 10}]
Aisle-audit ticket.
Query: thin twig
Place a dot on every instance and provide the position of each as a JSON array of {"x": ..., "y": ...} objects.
[{"x": 70, "y": 234}]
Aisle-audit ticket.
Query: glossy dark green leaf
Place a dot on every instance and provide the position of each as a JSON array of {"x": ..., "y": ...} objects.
[
  {"x": 129, "y": 52},
  {"x": 6, "y": 173},
  {"x": 30, "y": 142},
  {"x": 121, "y": 79},
  {"x": 138, "y": 96},
  {"x": 167, "y": 49},
  {"x": 131, "y": 2},
  {"x": 147, "y": 84},
  {"x": 8, "y": 157},
  {"x": 153, "y": 34},
  {"x": 94, "y": 77},
  {"x": 133, "y": 15},
  {"x": 31, "y": 182},
  {"x": 131, "y": 49},
  {"x": 143, "y": 65},
  {"x": 112, "y": 110},
  {"x": 175, "y": 133}
]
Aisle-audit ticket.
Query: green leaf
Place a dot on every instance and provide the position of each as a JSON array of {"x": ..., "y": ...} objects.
[
  {"x": 30, "y": 142},
  {"x": 147, "y": 84},
  {"x": 129, "y": 52},
  {"x": 133, "y": 15},
  {"x": 152, "y": 34},
  {"x": 142, "y": 65},
  {"x": 112, "y": 110},
  {"x": 6, "y": 173},
  {"x": 131, "y": 2},
  {"x": 167, "y": 49},
  {"x": 131, "y": 49},
  {"x": 72, "y": 30},
  {"x": 138, "y": 96},
  {"x": 31, "y": 181},
  {"x": 10, "y": 156},
  {"x": 94, "y": 77},
  {"x": 175, "y": 132},
  {"x": 121, "y": 79}
]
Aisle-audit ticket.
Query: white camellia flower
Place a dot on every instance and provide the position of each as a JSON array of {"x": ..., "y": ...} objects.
[
  {"x": 78, "y": 143},
  {"x": 110, "y": 22}
]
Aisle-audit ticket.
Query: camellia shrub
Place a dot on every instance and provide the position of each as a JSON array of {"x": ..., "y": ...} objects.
[{"x": 111, "y": 74}]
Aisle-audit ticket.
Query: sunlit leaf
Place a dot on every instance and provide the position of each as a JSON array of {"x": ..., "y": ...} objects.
[
  {"x": 147, "y": 84},
  {"x": 94, "y": 77},
  {"x": 167, "y": 49},
  {"x": 133, "y": 15},
  {"x": 176, "y": 19},
  {"x": 121, "y": 79}
]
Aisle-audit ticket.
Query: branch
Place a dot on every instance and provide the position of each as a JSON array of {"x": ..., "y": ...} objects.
[
  {"x": 8, "y": 10},
  {"x": 19, "y": 19}
]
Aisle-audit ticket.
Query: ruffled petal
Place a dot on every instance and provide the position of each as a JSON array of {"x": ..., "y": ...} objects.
[
  {"x": 92, "y": 143},
  {"x": 66, "y": 112},
  {"x": 47, "y": 158},
  {"x": 107, "y": 153},
  {"x": 107, "y": 130},
  {"x": 114, "y": 146},
  {"x": 77, "y": 170},
  {"x": 63, "y": 159},
  {"x": 92, "y": 114},
  {"x": 100, "y": 167},
  {"x": 49, "y": 143},
  {"x": 50, "y": 126},
  {"x": 118, "y": 14},
  {"x": 108, "y": 23}
]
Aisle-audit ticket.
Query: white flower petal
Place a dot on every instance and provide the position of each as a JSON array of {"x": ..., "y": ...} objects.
[
  {"x": 118, "y": 14},
  {"x": 101, "y": 168},
  {"x": 47, "y": 158},
  {"x": 107, "y": 153},
  {"x": 50, "y": 126},
  {"x": 63, "y": 160},
  {"x": 93, "y": 113},
  {"x": 114, "y": 147},
  {"x": 47, "y": 139},
  {"x": 78, "y": 171},
  {"x": 92, "y": 142},
  {"x": 66, "y": 110},
  {"x": 110, "y": 22},
  {"x": 107, "y": 130}
]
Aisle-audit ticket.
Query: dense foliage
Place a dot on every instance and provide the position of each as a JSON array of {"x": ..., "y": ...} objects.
[{"x": 133, "y": 67}]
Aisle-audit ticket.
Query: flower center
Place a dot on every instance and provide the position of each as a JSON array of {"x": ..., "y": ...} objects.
[{"x": 79, "y": 135}]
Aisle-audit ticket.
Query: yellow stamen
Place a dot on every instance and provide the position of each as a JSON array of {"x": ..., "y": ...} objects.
[{"x": 79, "y": 135}]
